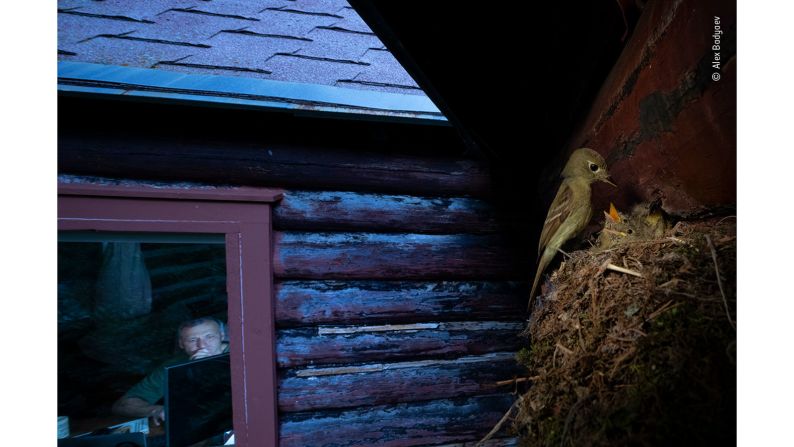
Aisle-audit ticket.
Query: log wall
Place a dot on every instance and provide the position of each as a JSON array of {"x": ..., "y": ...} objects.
[
  {"x": 396, "y": 314},
  {"x": 399, "y": 292}
]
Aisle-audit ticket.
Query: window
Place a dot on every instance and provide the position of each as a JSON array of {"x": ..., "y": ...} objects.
[{"x": 203, "y": 224}]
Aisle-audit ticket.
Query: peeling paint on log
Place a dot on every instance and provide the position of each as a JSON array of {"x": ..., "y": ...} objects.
[
  {"x": 380, "y": 328},
  {"x": 312, "y": 371},
  {"x": 329, "y": 211},
  {"x": 394, "y": 256},
  {"x": 269, "y": 165},
  {"x": 402, "y": 425},
  {"x": 350, "y": 302},
  {"x": 300, "y": 347},
  {"x": 378, "y": 384}
]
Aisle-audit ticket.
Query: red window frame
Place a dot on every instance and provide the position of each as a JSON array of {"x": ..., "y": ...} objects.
[{"x": 243, "y": 216}]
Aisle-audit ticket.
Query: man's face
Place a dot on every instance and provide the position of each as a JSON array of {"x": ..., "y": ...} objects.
[{"x": 202, "y": 340}]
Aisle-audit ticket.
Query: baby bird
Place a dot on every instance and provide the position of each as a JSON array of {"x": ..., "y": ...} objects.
[
  {"x": 617, "y": 229},
  {"x": 647, "y": 221},
  {"x": 571, "y": 209}
]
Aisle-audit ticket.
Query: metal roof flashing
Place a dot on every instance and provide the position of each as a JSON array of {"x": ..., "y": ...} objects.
[{"x": 297, "y": 98}]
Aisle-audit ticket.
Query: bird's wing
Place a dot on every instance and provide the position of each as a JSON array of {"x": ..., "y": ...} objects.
[{"x": 559, "y": 210}]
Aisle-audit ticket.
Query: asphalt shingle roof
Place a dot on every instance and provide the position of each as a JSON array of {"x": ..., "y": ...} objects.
[{"x": 310, "y": 41}]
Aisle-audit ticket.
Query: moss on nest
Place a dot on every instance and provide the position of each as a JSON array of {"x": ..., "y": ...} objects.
[{"x": 616, "y": 359}]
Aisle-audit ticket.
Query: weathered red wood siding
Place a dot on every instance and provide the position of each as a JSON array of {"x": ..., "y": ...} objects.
[{"x": 668, "y": 129}]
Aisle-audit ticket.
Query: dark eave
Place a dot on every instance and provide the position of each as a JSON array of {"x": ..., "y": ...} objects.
[{"x": 513, "y": 78}]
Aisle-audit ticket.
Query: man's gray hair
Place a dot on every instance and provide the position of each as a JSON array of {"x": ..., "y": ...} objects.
[{"x": 202, "y": 320}]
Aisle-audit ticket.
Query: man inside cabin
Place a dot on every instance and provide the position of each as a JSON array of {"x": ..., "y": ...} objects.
[{"x": 198, "y": 338}]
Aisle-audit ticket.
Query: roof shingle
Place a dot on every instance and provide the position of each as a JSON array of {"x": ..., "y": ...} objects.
[{"x": 311, "y": 41}]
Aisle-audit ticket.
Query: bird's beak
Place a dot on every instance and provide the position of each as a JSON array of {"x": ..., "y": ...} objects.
[{"x": 606, "y": 180}]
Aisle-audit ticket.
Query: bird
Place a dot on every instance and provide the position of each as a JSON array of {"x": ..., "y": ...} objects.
[
  {"x": 571, "y": 209},
  {"x": 618, "y": 228},
  {"x": 646, "y": 221}
]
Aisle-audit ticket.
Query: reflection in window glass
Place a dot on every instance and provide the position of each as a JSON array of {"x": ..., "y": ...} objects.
[{"x": 120, "y": 303}]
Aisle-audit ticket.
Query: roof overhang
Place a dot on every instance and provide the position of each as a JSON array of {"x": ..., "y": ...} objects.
[{"x": 296, "y": 98}]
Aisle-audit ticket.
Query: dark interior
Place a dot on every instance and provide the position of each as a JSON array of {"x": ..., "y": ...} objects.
[
  {"x": 514, "y": 79},
  {"x": 106, "y": 345}
]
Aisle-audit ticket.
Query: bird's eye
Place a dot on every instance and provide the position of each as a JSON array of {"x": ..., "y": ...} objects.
[
  {"x": 593, "y": 167},
  {"x": 629, "y": 231}
]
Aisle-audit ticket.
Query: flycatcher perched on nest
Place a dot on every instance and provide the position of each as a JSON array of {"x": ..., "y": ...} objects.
[{"x": 571, "y": 209}]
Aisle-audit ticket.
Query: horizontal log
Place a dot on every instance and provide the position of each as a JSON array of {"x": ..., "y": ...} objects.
[
  {"x": 395, "y": 256},
  {"x": 353, "y": 302},
  {"x": 239, "y": 163},
  {"x": 362, "y": 344},
  {"x": 389, "y": 383},
  {"x": 333, "y": 211},
  {"x": 493, "y": 442},
  {"x": 401, "y": 425}
]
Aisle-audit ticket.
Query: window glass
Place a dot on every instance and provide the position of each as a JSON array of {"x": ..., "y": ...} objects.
[{"x": 121, "y": 300}]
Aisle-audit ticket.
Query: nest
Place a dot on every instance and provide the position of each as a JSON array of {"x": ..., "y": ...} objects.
[{"x": 635, "y": 344}]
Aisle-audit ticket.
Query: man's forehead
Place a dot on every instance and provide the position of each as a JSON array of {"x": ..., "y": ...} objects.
[{"x": 207, "y": 326}]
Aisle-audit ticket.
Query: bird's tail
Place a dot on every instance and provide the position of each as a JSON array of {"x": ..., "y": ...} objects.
[{"x": 542, "y": 263}]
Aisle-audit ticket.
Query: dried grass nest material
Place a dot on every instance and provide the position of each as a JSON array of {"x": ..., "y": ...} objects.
[{"x": 615, "y": 359}]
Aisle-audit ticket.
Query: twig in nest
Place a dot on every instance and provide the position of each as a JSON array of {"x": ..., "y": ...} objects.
[
  {"x": 732, "y": 357},
  {"x": 629, "y": 352},
  {"x": 563, "y": 349},
  {"x": 719, "y": 281},
  {"x": 564, "y": 254},
  {"x": 642, "y": 334},
  {"x": 615, "y": 337},
  {"x": 636, "y": 261},
  {"x": 516, "y": 380},
  {"x": 501, "y": 421},
  {"x": 672, "y": 282},
  {"x": 726, "y": 217},
  {"x": 666, "y": 240},
  {"x": 620, "y": 269},
  {"x": 569, "y": 418},
  {"x": 658, "y": 311},
  {"x": 557, "y": 348}
]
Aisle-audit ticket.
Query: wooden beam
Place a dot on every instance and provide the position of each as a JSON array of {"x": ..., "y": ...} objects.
[
  {"x": 361, "y": 344},
  {"x": 269, "y": 165},
  {"x": 302, "y": 303},
  {"x": 340, "y": 210},
  {"x": 395, "y": 256},
  {"x": 388, "y": 383},
  {"x": 415, "y": 424}
]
